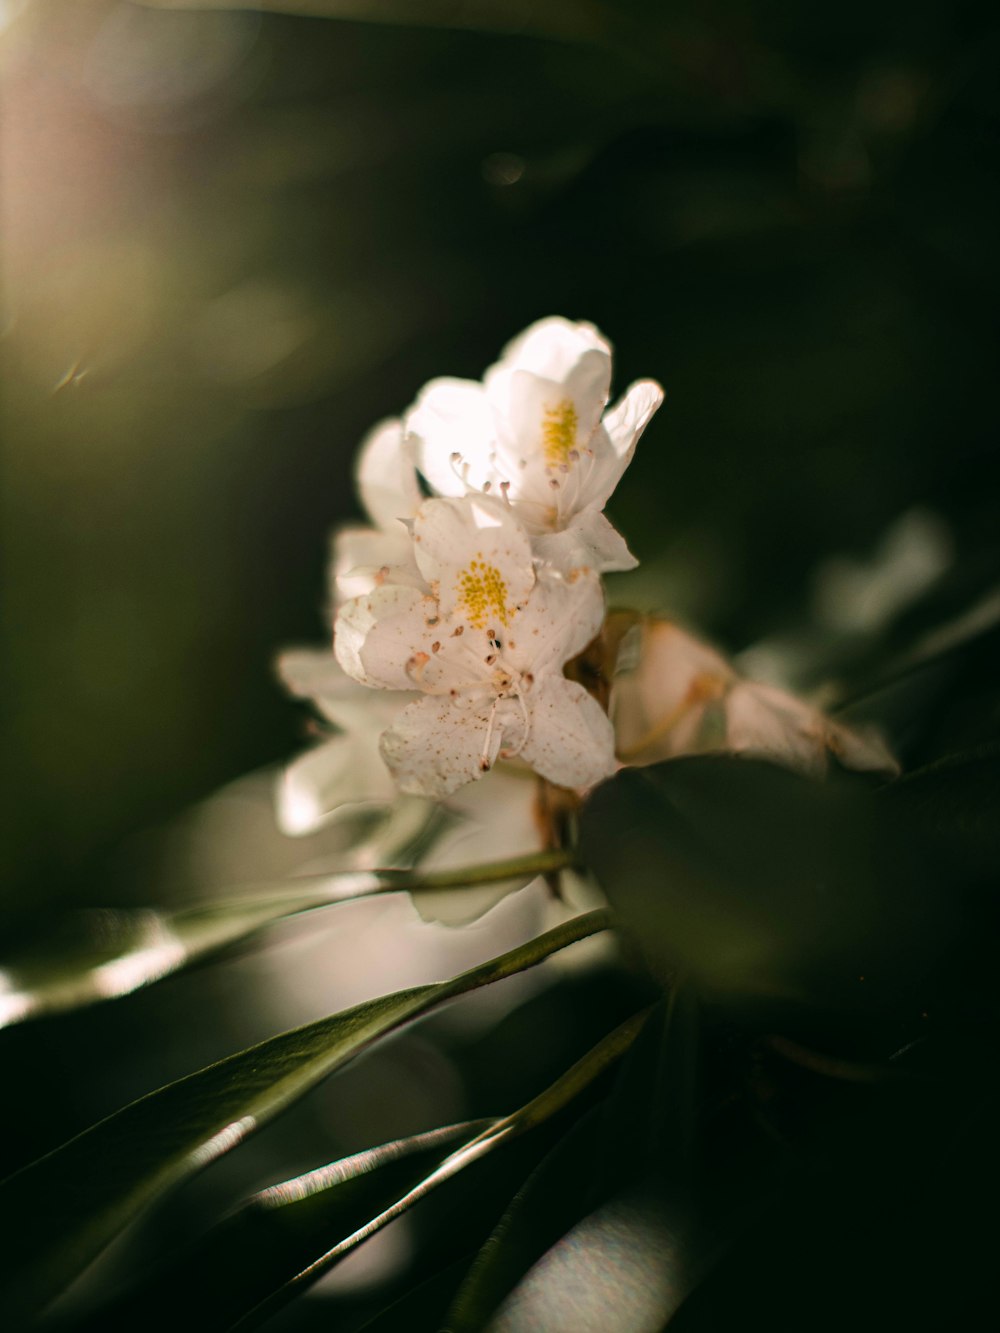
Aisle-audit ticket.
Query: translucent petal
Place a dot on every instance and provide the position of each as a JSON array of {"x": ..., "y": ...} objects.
[
  {"x": 861, "y": 750},
  {"x": 387, "y": 478},
  {"x": 376, "y": 636},
  {"x": 589, "y": 540},
  {"x": 306, "y": 672},
  {"x": 632, "y": 414},
  {"x": 769, "y": 724},
  {"x": 571, "y": 741},
  {"x": 658, "y": 708},
  {"x": 765, "y": 721},
  {"x": 312, "y": 786},
  {"x": 544, "y": 419},
  {"x": 561, "y": 618},
  {"x": 360, "y": 555},
  {"x": 494, "y": 819},
  {"x": 623, "y": 426},
  {"x": 315, "y": 674},
  {"x": 551, "y": 347},
  {"x": 452, "y": 416},
  {"x": 331, "y": 779}
]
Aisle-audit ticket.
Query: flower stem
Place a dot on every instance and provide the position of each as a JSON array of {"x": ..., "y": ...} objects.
[{"x": 492, "y": 872}]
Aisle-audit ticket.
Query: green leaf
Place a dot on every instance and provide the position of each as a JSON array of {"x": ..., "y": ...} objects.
[
  {"x": 284, "y": 1238},
  {"x": 954, "y": 804},
  {"x": 71, "y": 1203},
  {"x": 765, "y": 886},
  {"x": 616, "y": 1144},
  {"x": 424, "y": 1306},
  {"x": 540, "y": 1109},
  {"x": 615, "y": 1270},
  {"x": 280, "y": 1231},
  {"x": 105, "y": 954},
  {"x": 543, "y": 1209}
]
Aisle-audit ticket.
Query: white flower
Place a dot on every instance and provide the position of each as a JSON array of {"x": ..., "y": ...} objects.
[
  {"x": 502, "y": 817},
  {"x": 485, "y": 643},
  {"x": 345, "y": 770},
  {"x": 682, "y": 697},
  {"x": 390, "y": 494},
  {"x": 533, "y": 430}
]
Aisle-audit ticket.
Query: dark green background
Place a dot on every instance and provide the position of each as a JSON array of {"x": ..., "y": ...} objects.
[
  {"x": 233, "y": 242},
  {"x": 786, "y": 214}
]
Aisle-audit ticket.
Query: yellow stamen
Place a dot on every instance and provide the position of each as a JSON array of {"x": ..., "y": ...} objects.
[
  {"x": 559, "y": 432},
  {"x": 482, "y": 591}
]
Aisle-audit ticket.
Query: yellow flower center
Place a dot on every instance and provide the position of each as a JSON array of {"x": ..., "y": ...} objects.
[
  {"x": 559, "y": 432},
  {"x": 482, "y": 591}
]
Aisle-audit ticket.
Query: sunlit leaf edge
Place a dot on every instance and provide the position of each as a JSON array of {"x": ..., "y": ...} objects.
[{"x": 71, "y": 1203}]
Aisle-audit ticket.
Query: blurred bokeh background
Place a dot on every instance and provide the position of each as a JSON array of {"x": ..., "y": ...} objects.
[{"x": 232, "y": 240}]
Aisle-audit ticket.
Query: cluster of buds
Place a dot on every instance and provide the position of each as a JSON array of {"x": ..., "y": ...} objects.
[{"x": 466, "y": 604}]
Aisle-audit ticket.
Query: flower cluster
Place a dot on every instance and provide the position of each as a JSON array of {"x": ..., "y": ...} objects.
[
  {"x": 478, "y": 579},
  {"x": 477, "y": 597}
]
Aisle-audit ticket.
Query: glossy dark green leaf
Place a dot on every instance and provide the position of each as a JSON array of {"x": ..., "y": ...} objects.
[
  {"x": 955, "y": 804},
  {"x": 280, "y": 1231},
  {"x": 620, "y": 1142},
  {"x": 284, "y": 1238},
  {"x": 873, "y": 1221},
  {"x": 767, "y": 886},
  {"x": 104, "y": 954},
  {"x": 536, "y": 1112},
  {"x": 70, "y": 1204},
  {"x": 543, "y": 1209},
  {"x": 423, "y": 1307},
  {"x": 615, "y": 1270}
]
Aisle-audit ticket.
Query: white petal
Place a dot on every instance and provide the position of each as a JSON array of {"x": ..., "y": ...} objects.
[
  {"x": 331, "y": 779},
  {"x": 315, "y": 674},
  {"x": 659, "y": 707},
  {"x": 452, "y": 416},
  {"x": 623, "y": 426},
  {"x": 545, "y": 419},
  {"x": 449, "y": 535},
  {"x": 311, "y": 786},
  {"x": 632, "y": 414},
  {"x": 861, "y": 750},
  {"x": 436, "y": 745},
  {"x": 562, "y": 616},
  {"x": 376, "y": 636},
  {"x": 306, "y": 672},
  {"x": 387, "y": 478},
  {"x": 767, "y": 723},
  {"x": 502, "y": 810},
  {"x": 552, "y": 347},
  {"x": 591, "y": 540},
  {"x": 571, "y": 741},
  {"x": 494, "y": 819},
  {"x": 362, "y": 555}
]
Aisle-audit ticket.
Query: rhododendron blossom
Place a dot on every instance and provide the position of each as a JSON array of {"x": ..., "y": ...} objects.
[
  {"x": 457, "y": 614},
  {"x": 534, "y": 432},
  {"x": 485, "y": 642},
  {"x": 679, "y": 696}
]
